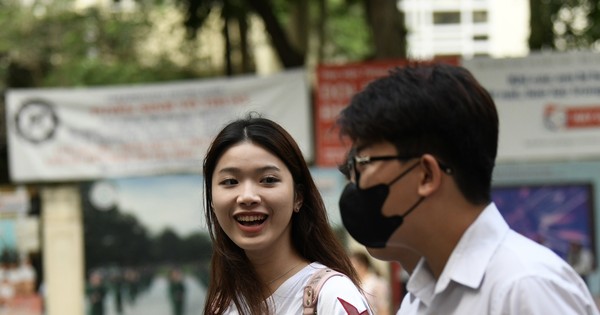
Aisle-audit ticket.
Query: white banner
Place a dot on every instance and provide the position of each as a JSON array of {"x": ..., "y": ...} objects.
[
  {"x": 86, "y": 133},
  {"x": 548, "y": 104}
]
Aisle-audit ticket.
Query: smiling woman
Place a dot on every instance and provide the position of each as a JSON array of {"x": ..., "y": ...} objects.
[{"x": 269, "y": 227}]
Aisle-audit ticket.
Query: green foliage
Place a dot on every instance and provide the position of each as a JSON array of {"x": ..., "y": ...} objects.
[
  {"x": 348, "y": 36},
  {"x": 55, "y": 46},
  {"x": 51, "y": 44},
  {"x": 564, "y": 25}
]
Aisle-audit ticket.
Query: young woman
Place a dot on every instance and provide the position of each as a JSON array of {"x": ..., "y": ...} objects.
[{"x": 269, "y": 227}]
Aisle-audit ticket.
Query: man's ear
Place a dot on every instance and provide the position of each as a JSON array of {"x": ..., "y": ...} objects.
[{"x": 432, "y": 175}]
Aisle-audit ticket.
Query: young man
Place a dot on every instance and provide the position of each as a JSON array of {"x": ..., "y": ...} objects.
[{"x": 424, "y": 146}]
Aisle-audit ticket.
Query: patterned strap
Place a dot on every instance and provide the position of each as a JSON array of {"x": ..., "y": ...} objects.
[{"x": 311, "y": 290}]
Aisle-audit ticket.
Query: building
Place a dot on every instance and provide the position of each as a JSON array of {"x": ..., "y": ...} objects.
[{"x": 467, "y": 28}]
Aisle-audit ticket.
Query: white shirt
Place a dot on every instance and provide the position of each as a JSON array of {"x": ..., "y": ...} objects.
[
  {"x": 494, "y": 270},
  {"x": 287, "y": 300}
]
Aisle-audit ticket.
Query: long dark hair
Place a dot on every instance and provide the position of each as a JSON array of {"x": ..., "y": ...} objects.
[{"x": 233, "y": 278}]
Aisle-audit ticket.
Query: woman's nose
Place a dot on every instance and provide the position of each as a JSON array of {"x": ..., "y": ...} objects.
[{"x": 248, "y": 195}]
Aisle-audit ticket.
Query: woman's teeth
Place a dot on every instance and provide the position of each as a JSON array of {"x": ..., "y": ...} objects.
[{"x": 251, "y": 219}]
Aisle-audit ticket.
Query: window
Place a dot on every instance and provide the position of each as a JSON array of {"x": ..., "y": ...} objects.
[
  {"x": 480, "y": 16},
  {"x": 446, "y": 18}
]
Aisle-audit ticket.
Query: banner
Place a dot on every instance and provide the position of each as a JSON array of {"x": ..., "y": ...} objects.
[
  {"x": 86, "y": 133},
  {"x": 548, "y": 104},
  {"x": 336, "y": 84}
]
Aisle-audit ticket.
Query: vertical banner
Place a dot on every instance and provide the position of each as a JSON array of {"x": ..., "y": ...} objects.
[
  {"x": 119, "y": 131},
  {"x": 336, "y": 84},
  {"x": 20, "y": 254},
  {"x": 547, "y": 104}
]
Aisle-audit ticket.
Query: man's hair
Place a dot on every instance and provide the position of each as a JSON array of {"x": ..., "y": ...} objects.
[{"x": 431, "y": 108}]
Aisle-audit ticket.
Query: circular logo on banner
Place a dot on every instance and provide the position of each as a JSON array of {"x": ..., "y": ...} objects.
[
  {"x": 36, "y": 121},
  {"x": 555, "y": 117}
]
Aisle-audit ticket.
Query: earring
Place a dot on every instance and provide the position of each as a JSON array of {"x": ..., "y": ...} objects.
[{"x": 297, "y": 209}]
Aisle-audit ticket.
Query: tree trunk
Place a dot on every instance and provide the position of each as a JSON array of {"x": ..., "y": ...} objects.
[
  {"x": 387, "y": 28},
  {"x": 247, "y": 64},
  {"x": 321, "y": 29},
  {"x": 541, "y": 25},
  {"x": 289, "y": 57},
  {"x": 299, "y": 26},
  {"x": 227, "y": 37}
]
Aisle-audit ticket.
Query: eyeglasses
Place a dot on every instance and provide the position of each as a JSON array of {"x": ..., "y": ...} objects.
[
  {"x": 351, "y": 172},
  {"x": 350, "y": 168}
]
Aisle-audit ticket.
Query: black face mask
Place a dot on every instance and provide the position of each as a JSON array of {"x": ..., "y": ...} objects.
[{"x": 361, "y": 212}]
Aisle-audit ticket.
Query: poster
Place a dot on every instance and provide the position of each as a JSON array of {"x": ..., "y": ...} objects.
[
  {"x": 547, "y": 104},
  {"x": 146, "y": 247},
  {"x": 65, "y": 134},
  {"x": 556, "y": 215}
]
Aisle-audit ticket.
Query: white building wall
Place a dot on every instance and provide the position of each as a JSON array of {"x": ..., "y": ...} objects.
[
  {"x": 504, "y": 33},
  {"x": 510, "y": 26}
]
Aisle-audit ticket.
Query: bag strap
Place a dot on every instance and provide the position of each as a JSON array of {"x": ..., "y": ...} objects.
[{"x": 311, "y": 290}]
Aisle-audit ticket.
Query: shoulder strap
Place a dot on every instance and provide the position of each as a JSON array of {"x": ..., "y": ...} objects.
[{"x": 312, "y": 289}]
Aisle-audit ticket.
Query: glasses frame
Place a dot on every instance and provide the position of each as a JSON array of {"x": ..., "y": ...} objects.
[{"x": 351, "y": 172}]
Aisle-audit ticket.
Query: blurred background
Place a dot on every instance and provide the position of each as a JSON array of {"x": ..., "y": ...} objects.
[{"x": 108, "y": 107}]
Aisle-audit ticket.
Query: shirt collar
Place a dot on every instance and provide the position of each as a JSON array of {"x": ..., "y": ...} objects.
[{"x": 469, "y": 259}]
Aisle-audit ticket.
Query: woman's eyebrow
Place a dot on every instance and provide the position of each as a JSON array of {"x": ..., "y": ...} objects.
[
  {"x": 268, "y": 168},
  {"x": 236, "y": 170}
]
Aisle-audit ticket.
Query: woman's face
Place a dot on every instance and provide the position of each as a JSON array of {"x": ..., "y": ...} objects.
[{"x": 253, "y": 198}]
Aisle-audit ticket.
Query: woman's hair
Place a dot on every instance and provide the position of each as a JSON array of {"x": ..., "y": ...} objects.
[{"x": 233, "y": 278}]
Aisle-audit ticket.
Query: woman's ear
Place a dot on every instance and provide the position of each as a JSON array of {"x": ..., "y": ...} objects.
[
  {"x": 298, "y": 198},
  {"x": 432, "y": 175}
]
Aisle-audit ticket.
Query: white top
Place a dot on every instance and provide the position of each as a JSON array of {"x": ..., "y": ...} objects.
[
  {"x": 495, "y": 270},
  {"x": 287, "y": 300}
]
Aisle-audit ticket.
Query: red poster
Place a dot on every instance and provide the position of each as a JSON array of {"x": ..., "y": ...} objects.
[{"x": 336, "y": 84}]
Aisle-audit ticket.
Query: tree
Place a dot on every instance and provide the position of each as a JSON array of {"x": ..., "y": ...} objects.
[
  {"x": 387, "y": 27},
  {"x": 564, "y": 25},
  {"x": 387, "y": 36},
  {"x": 68, "y": 47}
]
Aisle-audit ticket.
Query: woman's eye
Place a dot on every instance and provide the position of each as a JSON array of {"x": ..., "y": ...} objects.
[
  {"x": 270, "y": 180},
  {"x": 228, "y": 182}
]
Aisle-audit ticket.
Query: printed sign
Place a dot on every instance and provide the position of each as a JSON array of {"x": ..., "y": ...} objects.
[
  {"x": 547, "y": 103},
  {"x": 73, "y": 134}
]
